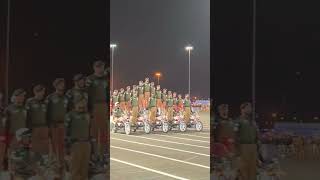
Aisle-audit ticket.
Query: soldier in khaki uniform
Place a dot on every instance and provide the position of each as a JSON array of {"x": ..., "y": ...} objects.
[
  {"x": 127, "y": 97},
  {"x": 141, "y": 96},
  {"x": 77, "y": 125},
  {"x": 164, "y": 100},
  {"x": 169, "y": 104},
  {"x": 146, "y": 89},
  {"x": 122, "y": 100},
  {"x": 152, "y": 89},
  {"x": 15, "y": 117},
  {"x": 152, "y": 109},
  {"x": 37, "y": 121},
  {"x": 180, "y": 102},
  {"x": 247, "y": 139},
  {"x": 158, "y": 97},
  {"x": 78, "y": 91},
  {"x": 187, "y": 108},
  {"x": 57, "y": 104},
  {"x": 97, "y": 90},
  {"x": 134, "y": 88},
  {"x": 115, "y": 97},
  {"x": 135, "y": 108}
]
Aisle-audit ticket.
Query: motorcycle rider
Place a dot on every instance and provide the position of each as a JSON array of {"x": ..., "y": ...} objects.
[
  {"x": 152, "y": 109},
  {"x": 169, "y": 104},
  {"x": 122, "y": 100},
  {"x": 141, "y": 95},
  {"x": 127, "y": 98},
  {"x": 187, "y": 108},
  {"x": 135, "y": 108}
]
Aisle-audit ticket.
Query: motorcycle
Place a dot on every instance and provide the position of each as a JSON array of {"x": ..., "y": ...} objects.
[
  {"x": 142, "y": 122},
  {"x": 195, "y": 121},
  {"x": 122, "y": 122},
  {"x": 178, "y": 122},
  {"x": 161, "y": 122}
]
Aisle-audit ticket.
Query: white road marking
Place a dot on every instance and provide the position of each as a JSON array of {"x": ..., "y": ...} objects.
[
  {"x": 163, "y": 157},
  {"x": 204, "y": 132},
  {"x": 163, "y": 147},
  {"x": 149, "y": 169},
  {"x": 194, "y": 136},
  {"x": 188, "y": 139},
  {"x": 167, "y": 141}
]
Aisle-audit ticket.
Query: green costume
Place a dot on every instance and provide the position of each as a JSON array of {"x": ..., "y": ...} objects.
[
  {"x": 152, "y": 102},
  {"x": 77, "y": 126},
  {"x": 74, "y": 94},
  {"x": 121, "y": 97},
  {"x": 186, "y": 103},
  {"x": 16, "y": 117},
  {"x": 158, "y": 94},
  {"x": 152, "y": 90},
  {"x": 117, "y": 112},
  {"x": 127, "y": 96},
  {"x": 115, "y": 98},
  {"x": 57, "y": 108},
  {"x": 169, "y": 102},
  {"x": 97, "y": 89},
  {"x": 140, "y": 90},
  {"x": 134, "y": 101},
  {"x": 37, "y": 113},
  {"x": 247, "y": 131},
  {"x": 147, "y": 87}
]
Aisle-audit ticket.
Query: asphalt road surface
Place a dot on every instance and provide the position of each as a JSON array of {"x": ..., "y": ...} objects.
[{"x": 158, "y": 155}]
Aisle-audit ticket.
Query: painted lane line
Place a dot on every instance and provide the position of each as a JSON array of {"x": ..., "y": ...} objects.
[
  {"x": 188, "y": 139},
  {"x": 149, "y": 169},
  {"x": 163, "y": 147},
  {"x": 167, "y": 141},
  {"x": 163, "y": 157},
  {"x": 194, "y": 136}
]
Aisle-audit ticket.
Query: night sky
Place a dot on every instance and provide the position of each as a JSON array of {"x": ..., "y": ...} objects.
[
  {"x": 287, "y": 58},
  {"x": 151, "y": 36},
  {"x": 51, "y": 39}
]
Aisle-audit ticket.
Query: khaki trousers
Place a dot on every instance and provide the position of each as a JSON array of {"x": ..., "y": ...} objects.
[
  {"x": 141, "y": 101},
  {"x": 146, "y": 99},
  {"x": 128, "y": 106},
  {"x": 248, "y": 161},
  {"x": 58, "y": 142},
  {"x": 135, "y": 110},
  {"x": 152, "y": 115},
  {"x": 99, "y": 127},
  {"x": 170, "y": 114},
  {"x": 187, "y": 114},
  {"x": 123, "y": 106},
  {"x": 80, "y": 156},
  {"x": 40, "y": 140}
]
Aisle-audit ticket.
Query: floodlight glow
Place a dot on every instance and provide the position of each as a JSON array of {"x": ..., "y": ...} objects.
[
  {"x": 113, "y": 45},
  {"x": 189, "y": 48}
]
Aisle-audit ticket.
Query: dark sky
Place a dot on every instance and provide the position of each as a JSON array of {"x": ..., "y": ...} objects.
[
  {"x": 51, "y": 39},
  {"x": 152, "y": 34},
  {"x": 287, "y": 54}
]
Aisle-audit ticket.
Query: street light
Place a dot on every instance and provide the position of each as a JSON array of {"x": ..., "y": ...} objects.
[
  {"x": 158, "y": 74},
  {"x": 189, "y": 49},
  {"x": 112, "y": 46}
]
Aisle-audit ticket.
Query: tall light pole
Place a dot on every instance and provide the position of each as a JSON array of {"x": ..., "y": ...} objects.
[
  {"x": 7, "y": 54},
  {"x": 189, "y": 49},
  {"x": 158, "y": 74},
  {"x": 112, "y": 46}
]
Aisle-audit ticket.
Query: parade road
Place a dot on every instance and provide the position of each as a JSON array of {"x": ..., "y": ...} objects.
[{"x": 158, "y": 155}]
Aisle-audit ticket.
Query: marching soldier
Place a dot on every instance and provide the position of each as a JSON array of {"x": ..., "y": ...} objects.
[
  {"x": 115, "y": 97},
  {"x": 97, "y": 91},
  {"x": 152, "y": 89},
  {"x": 158, "y": 97},
  {"x": 127, "y": 97},
  {"x": 37, "y": 121},
  {"x": 187, "y": 108},
  {"x": 247, "y": 133},
  {"x": 134, "y": 88},
  {"x": 175, "y": 101},
  {"x": 57, "y": 104},
  {"x": 15, "y": 115},
  {"x": 169, "y": 104},
  {"x": 180, "y": 103},
  {"x": 122, "y": 99},
  {"x": 135, "y": 108},
  {"x": 225, "y": 130},
  {"x": 164, "y": 100},
  {"x": 140, "y": 95},
  {"x": 77, "y": 125},
  {"x": 146, "y": 92},
  {"x": 152, "y": 109},
  {"x": 78, "y": 91}
]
